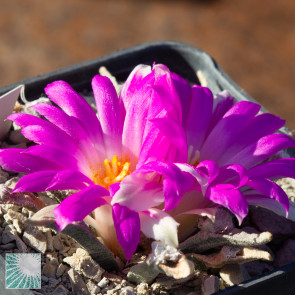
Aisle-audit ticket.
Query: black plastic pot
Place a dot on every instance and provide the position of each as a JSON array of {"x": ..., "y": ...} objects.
[{"x": 185, "y": 60}]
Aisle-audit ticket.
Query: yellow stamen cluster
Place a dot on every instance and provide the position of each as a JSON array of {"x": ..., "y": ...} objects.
[{"x": 113, "y": 171}]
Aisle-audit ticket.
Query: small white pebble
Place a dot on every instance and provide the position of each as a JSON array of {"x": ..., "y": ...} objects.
[{"x": 103, "y": 283}]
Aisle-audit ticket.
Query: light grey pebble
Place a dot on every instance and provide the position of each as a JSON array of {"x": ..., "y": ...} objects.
[
  {"x": 92, "y": 287},
  {"x": 11, "y": 183},
  {"x": 7, "y": 219},
  {"x": 142, "y": 289},
  {"x": 16, "y": 215},
  {"x": 127, "y": 291},
  {"x": 18, "y": 226},
  {"x": 34, "y": 238},
  {"x": 25, "y": 211},
  {"x": 103, "y": 283}
]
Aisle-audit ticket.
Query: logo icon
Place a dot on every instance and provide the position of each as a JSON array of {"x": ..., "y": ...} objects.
[{"x": 23, "y": 271}]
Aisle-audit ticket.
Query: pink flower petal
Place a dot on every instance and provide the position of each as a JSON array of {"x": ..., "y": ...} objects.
[
  {"x": 154, "y": 97},
  {"x": 77, "y": 206},
  {"x": 41, "y": 181},
  {"x": 199, "y": 116},
  {"x": 109, "y": 111},
  {"x": 261, "y": 150},
  {"x": 175, "y": 133},
  {"x": 222, "y": 102},
  {"x": 54, "y": 155},
  {"x": 155, "y": 147},
  {"x": 175, "y": 181},
  {"x": 184, "y": 92},
  {"x": 275, "y": 169},
  {"x": 226, "y": 130},
  {"x": 24, "y": 120},
  {"x": 207, "y": 173},
  {"x": 127, "y": 226},
  {"x": 133, "y": 80},
  {"x": 52, "y": 137},
  {"x": 44, "y": 132},
  {"x": 270, "y": 189},
  {"x": 229, "y": 197},
  {"x": 66, "y": 179},
  {"x": 20, "y": 160},
  {"x": 233, "y": 174},
  {"x": 75, "y": 105},
  {"x": 260, "y": 126},
  {"x": 137, "y": 111},
  {"x": 113, "y": 188},
  {"x": 139, "y": 192},
  {"x": 72, "y": 127}
]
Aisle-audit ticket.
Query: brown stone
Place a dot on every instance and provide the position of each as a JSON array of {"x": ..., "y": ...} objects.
[
  {"x": 77, "y": 283},
  {"x": 57, "y": 243},
  {"x": 49, "y": 239},
  {"x": 34, "y": 238},
  {"x": 230, "y": 255},
  {"x": 60, "y": 270},
  {"x": 49, "y": 269}
]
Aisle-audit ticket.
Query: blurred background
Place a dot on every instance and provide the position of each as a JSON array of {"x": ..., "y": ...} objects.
[{"x": 253, "y": 41}]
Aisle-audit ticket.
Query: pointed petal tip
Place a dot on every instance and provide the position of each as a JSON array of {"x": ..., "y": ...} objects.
[
  {"x": 61, "y": 222},
  {"x": 127, "y": 225}
]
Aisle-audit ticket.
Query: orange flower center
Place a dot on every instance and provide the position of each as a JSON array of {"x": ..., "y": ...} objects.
[{"x": 112, "y": 172}]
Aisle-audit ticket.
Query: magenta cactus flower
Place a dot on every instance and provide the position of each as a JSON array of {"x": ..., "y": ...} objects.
[
  {"x": 99, "y": 157},
  {"x": 230, "y": 147}
]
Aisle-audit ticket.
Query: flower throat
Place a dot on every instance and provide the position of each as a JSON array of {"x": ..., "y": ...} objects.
[{"x": 114, "y": 171}]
